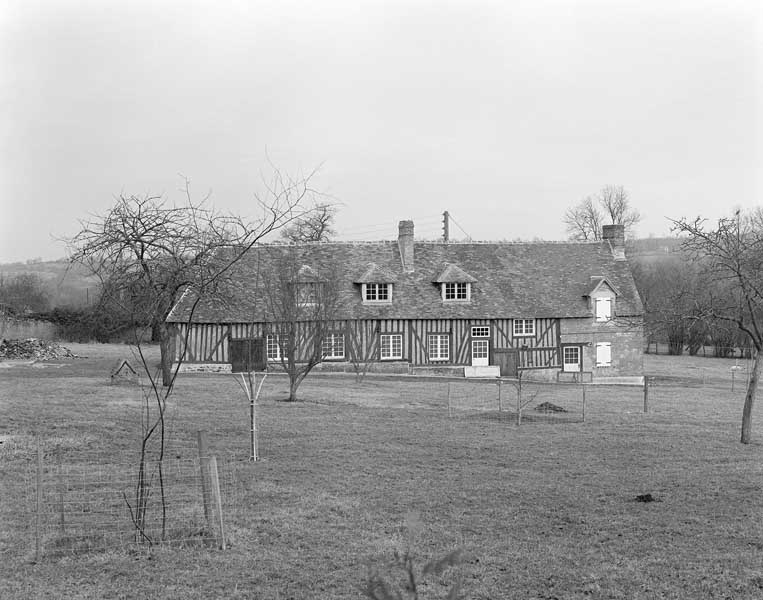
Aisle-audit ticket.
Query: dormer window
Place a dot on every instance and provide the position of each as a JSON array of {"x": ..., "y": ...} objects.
[
  {"x": 377, "y": 292},
  {"x": 456, "y": 292},
  {"x": 602, "y": 298}
]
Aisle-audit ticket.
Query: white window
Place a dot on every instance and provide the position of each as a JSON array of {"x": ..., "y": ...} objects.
[
  {"x": 276, "y": 346},
  {"x": 524, "y": 327},
  {"x": 439, "y": 346},
  {"x": 391, "y": 346},
  {"x": 480, "y": 331},
  {"x": 603, "y": 309},
  {"x": 603, "y": 354},
  {"x": 456, "y": 291},
  {"x": 333, "y": 345},
  {"x": 377, "y": 292}
]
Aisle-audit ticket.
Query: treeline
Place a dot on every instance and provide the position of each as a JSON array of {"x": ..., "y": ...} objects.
[
  {"x": 676, "y": 291},
  {"x": 27, "y": 297}
]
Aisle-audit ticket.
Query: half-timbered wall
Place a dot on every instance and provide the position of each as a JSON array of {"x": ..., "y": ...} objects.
[{"x": 208, "y": 342}]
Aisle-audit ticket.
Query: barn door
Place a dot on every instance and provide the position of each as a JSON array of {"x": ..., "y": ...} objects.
[
  {"x": 247, "y": 355},
  {"x": 508, "y": 362}
]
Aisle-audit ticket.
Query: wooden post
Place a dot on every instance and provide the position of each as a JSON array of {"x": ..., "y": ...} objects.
[
  {"x": 38, "y": 504},
  {"x": 646, "y": 394},
  {"x": 203, "y": 443},
  {"x": 519, "y": 404},
  {"x": 450, "y": 410},
  {"x": 215, "y": 480},
  {"x": 583, "y": 386},
  {"x": 61, "y": 509},
  {"x": 500, "y": 407}
]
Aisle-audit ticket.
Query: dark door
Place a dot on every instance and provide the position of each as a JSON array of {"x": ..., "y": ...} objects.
[
  {"x": 508, "y": 361},
  {"x": 247, "y": 355}
]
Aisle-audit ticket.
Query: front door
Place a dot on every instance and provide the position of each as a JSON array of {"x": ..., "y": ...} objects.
[
  {"x": 480, "y": 353},
  {"x": 572, "y": 359}
]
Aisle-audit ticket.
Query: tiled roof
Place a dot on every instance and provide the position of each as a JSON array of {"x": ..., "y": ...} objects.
[
  {"x": 510, "y": 280},
  {"x": 453, "y": 274},
  {"x": 376, "y": 274}
]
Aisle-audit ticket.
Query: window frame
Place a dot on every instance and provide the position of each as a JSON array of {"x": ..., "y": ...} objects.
[
  {"x": 466, "y": 296},
  {"x": 273, "y": 340},
  {"x": 331, "y": 339},
  {"x": 367, "y": 288},
  {"x": 480, "y": 335},
  {"x": 524, "y": 329},
  {"x": 440, "y": 356},
  {"x": 391, "y": 355}
]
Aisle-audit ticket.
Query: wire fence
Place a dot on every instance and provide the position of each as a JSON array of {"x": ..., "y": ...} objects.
[{"x": 71, "y": 464}]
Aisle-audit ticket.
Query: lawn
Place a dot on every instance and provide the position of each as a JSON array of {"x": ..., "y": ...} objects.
[{"x": 546, "y": 510}]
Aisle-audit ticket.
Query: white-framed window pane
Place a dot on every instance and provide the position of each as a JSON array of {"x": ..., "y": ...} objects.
[
  {"x": 603, "y": 309},
  {"x": 571, "y": 355},
  {"x": 377, "y": 292},
  {"x": 480, "y": 349},
  {"x": 333, "y": 345},
  {"x": 275, "y": 344},
  {"x": 391, "y": 346},
  {"x": 603, "y": 354},
  {"x": 524, "y": 326},
  {"x": 456, "y": 291},
  {"x": 480, "y": 331},
  {"x": 439, "y": 347}
]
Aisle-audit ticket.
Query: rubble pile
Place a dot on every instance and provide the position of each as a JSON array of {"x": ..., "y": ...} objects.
[{"x": 33, "y": 349}]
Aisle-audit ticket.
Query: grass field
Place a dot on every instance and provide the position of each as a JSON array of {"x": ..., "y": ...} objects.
[{"x": 541, "y": 511}]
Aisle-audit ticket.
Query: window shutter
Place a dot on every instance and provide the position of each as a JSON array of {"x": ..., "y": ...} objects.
[
  {"x": 603, "y": 354},
  {"x": 603, "y": 309}
]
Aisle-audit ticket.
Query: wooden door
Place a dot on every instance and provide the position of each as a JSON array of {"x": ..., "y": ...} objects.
[
  {"x": 247, "y": 354},
  {"x": 480, "y": 352},
  {"x": 508, "y": 361}
]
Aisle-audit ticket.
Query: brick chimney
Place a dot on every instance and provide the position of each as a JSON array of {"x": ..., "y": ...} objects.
[
  {"x": 615, "y": 235},
  {"x": 405, "y": 244}
]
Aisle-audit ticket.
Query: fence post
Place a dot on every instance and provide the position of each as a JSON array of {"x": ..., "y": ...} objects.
[
  {"x": 583, "y": 386},
  {"x": 215, "y": 480},
  {"x": 646, "y": 394},
  {"x": 450, "y": 410},
  {"x": 203, "y": 443},
  {"x": 38, "y": 503},
  {"x": 519, "y": 404},
  {"x": 61, "y": 507},
  {"x": 500, "y": 407}
]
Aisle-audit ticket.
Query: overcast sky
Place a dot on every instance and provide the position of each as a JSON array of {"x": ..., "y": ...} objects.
[{"x": 503, "y": 113}]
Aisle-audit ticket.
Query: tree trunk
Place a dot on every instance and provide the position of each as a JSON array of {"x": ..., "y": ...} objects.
[
  {"x": 293, "y": 386},
  {"x": 165, "y": 349},
  {"x": 749, "y": 399}
]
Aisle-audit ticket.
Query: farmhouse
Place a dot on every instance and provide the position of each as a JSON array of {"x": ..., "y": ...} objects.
[{"x": 552, "y": 310}]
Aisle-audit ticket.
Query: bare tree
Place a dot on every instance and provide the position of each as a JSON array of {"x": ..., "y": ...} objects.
[
  {"x": 302, "y": 305},
  {"x": 584, "y": 220},
  {"x": 731, "y": 254},
  {"x": 315, "y": 226},
  {"x": 610, "y": 205},
  {"x": 147, "y": 251}
]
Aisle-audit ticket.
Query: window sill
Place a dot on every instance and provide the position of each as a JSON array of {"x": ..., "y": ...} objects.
[{"x": 376, "y": 302}]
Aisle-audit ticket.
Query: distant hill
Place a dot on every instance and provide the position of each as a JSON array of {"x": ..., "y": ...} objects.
[{"x": 66, "y": 284}]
